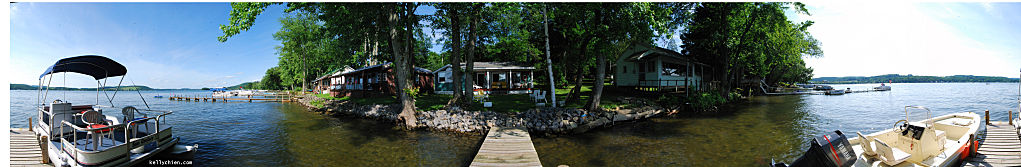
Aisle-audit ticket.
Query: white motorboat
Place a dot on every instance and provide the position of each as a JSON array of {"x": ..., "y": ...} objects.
[
  {"x": 881, "y": 87},
  {"x": 81, "y": 135},
  {"x": 939, "y": 141},
  {"x": 835, "y": 92}
]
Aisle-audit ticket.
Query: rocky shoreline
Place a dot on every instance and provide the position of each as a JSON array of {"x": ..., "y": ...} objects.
[{"x": 538, "y": 120}]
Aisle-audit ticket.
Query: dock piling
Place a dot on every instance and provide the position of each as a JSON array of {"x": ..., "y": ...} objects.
[
  {"x": 43, "y": 148},
  {"x": 987, "y": 117}
]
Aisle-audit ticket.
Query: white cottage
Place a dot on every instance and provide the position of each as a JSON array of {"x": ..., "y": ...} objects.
[
  {"x": 497, "y": 77},
  {"x": 655, "y": 68}
]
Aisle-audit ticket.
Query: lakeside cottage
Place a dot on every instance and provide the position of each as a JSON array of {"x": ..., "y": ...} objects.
[
  {"x": 497, "y": 77},
  {"x": 653, "y": 68},
  {"x": 325, "y": 83},
  {"x": 372, "y": 81}
]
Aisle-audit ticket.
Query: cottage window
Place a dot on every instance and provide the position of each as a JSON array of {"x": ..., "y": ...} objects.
[
  {"x": 672, "y": 69},
  {"x": 625, "y": 69},
  {"x": 442, "y": 79}
]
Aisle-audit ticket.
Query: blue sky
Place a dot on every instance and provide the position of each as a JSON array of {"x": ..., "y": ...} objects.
[
  {"x": 163, "y": 45},
  {"x": 173, "y": 45}
]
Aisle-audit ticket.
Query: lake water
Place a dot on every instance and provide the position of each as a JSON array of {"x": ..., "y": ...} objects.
[{"x": 747, "y": 134}]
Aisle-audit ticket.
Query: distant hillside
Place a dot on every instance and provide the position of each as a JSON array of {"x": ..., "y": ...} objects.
[
  {"x": 33, "y": 87},
  {"x": 911, "y": 79},
  {"x": 246, "y": 85}
]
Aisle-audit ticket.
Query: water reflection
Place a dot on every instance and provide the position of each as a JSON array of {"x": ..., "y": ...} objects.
[
  {"x": 760, "y": 131},
  {"x": 748, "y": 134}
]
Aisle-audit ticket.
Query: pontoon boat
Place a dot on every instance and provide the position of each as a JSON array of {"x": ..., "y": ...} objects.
[{"x": 82, "y": 135}]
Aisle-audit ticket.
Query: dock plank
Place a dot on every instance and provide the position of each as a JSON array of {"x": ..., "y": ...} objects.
[
  {"x": 507, "y": 147},
  {"x": 1001, "y": 146},
  {"x": 24, "y": 150}
]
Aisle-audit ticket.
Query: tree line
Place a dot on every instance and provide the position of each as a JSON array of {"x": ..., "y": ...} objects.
[
  {"x": 911, "y": 79},
  {"x": 581, "y": 40}
]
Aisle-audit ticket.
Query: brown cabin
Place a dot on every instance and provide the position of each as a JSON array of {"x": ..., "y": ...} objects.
[{"x": 375, "y": 81}]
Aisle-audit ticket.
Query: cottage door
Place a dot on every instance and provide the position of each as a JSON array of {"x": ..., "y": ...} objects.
[{"x": 641, "y": 73}]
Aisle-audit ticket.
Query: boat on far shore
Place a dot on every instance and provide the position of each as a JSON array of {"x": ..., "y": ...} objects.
[
  {"x": 835, "y": 92},
  {"x": 882, "y": 87}
]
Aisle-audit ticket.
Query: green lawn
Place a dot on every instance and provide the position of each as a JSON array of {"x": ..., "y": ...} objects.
[{"x": 608, "y": 100}]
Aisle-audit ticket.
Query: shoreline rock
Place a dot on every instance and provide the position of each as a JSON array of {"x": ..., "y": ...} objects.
[{"x": 543, "y": 120}]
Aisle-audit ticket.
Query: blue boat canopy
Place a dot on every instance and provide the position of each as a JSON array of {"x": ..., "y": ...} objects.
[{"x": 98, "y": 67}]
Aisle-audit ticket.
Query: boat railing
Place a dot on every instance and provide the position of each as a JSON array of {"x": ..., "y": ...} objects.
[
  {"x": 124, "y": 127},
  {"x": 927, "y": 115}
]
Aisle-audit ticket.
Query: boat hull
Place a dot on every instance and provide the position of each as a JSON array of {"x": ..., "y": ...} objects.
[{"x": 955, "y": 148}]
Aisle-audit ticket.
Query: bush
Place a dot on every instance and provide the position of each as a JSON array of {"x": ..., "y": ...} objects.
[{"x": 708, "y": 100}]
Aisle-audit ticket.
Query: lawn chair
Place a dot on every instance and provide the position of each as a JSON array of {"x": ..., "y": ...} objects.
[
  {"x": 541, "y": 96},
  {"x": 533, "y": 94}
]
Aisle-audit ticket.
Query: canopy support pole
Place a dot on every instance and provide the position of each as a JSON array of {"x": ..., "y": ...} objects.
[
  {"x": 140, "y": 94},
  {"x": 48, "y": 87}
]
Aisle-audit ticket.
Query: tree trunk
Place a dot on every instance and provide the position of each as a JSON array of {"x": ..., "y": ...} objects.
[
  {"x": 455, "y": 56},
  {"x": 597, "y": 85},
  {"x": 574, "y": 94},
  {"x": 576, "y": 91},
  {"x": 397, "y": 42},
  {"x": 470, "y": 58}
]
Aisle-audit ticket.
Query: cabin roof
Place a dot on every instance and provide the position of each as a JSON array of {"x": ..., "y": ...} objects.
[
  {"x": 384, "y": 65},
  {"x": 648, "y": 51},
  {"x": 493, "y": 66}
]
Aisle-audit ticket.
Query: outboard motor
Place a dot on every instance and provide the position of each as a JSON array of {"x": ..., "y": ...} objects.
[{"x": 831, "y": 150}]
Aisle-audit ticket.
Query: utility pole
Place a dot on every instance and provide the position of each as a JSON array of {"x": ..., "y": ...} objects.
[{"x": 549, "y": 63}]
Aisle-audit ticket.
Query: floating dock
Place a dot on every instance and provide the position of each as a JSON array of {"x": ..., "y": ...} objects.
[
  {"x": 1000, "y": 147},
  {"x": 25, "y": 149},
  {"x": 507, "y": 147},
  {"x": 262, "y": 98}
]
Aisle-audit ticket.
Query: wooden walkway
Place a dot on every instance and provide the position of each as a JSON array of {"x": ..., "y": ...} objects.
[
  {"x": 25, "y": 148},
  {"x": 231, "y": 98},
  {"x": 507, "y": 147},
  {"x": 1000, "y": 147}
]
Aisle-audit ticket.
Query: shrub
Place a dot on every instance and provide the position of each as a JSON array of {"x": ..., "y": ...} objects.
[{"x": 707, "y": 101}]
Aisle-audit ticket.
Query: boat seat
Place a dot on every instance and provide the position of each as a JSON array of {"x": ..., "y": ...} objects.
[
  {"x": 889, "y": 155},
  {"x": 866, "y": 144}
]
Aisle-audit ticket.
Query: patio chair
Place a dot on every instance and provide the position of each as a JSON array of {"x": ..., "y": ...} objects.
[
  {"x": 129, "y": 116},
  {"x": 535, "y": 93},
  {"x": 541, "y": 96},
  {"x": 95, "y": 120}
]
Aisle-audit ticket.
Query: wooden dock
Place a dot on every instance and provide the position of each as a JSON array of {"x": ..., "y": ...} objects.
[
  {"x": 233, "y": 98},
  {"x": 507, "y": 147},
  {"x": 25, "y": 150},
  {"x": 1000, "y": 147}
]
